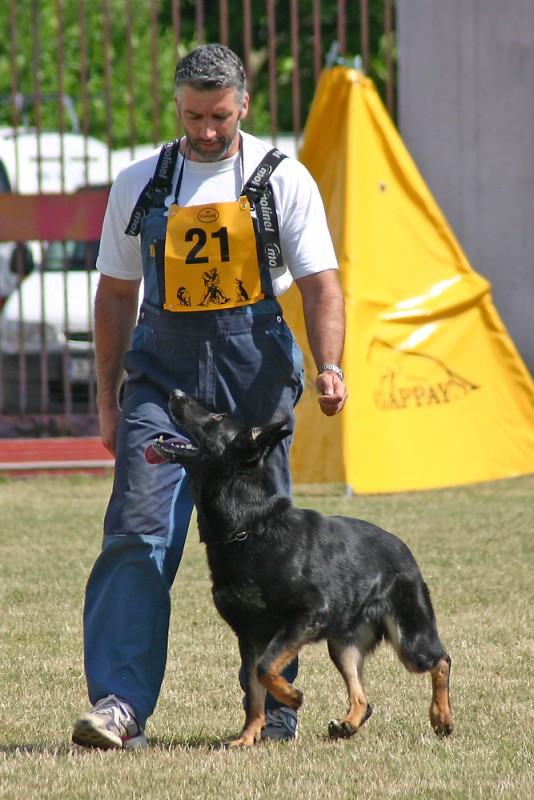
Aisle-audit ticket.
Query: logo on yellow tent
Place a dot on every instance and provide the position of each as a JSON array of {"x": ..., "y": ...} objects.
[{"x": 411, "y": 379}]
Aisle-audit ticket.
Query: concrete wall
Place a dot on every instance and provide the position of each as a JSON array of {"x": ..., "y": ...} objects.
[{"x": 466, "y": 114}]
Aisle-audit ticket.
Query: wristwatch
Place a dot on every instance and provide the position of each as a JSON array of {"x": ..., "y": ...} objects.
[{"x": 332, "y": 368}]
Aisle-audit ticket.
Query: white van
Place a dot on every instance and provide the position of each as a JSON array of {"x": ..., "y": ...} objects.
[{"x": 45, "y": 313}]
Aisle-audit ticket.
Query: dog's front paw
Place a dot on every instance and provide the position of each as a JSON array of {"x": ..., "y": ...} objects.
[
  {"x": 441, "y": 721},
  {"x": 248, "y": 737},
  {"x": 339, "y": 729},
  {"x": 241, "y": 741},
  {"x": 344, "y": 728}
]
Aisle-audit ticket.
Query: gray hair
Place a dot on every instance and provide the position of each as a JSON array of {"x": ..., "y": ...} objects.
[{"x": 211, "y": 66}]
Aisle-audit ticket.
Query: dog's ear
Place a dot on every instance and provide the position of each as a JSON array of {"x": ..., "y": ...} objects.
[
  {"x": 253, "y": 445},
  {"x": 269, "y": 436}
]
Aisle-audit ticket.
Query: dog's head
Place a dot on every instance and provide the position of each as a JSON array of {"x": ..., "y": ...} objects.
[{"x": 215, "y": 440}]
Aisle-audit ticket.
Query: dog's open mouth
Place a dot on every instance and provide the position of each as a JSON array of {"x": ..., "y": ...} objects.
[{"x": 168, "y": 448}]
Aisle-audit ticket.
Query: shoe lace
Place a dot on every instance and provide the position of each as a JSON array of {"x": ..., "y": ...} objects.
[{"x": 109, "y": 703}]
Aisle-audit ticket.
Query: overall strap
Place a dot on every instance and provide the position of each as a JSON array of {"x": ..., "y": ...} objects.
[
  {"x": 260, "y": 196},
  {"x": 255, "y": 185},
  {"x": 158, "y": 187}
]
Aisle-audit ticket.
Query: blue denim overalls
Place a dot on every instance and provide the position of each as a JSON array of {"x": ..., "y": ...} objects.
[{"x": 241, "y": 360}]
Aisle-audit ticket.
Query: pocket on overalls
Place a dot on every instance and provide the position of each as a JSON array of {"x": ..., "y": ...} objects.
[{"x": 281, "y": 335}]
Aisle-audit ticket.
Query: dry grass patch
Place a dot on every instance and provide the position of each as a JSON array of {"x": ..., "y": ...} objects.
[{"x": 474, "y": 545}]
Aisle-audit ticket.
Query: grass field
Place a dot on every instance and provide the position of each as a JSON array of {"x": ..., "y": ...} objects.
[{"x": 475, "y": 547}]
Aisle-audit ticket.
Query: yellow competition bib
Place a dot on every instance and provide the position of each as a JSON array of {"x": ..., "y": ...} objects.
[{"x": 211, "y": 260}]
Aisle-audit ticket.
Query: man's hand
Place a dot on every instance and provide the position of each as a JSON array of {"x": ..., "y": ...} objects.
[
  {"x": 324, "y": 314},
  {"x": 109, "y": 424},
  {"x": 333, "y": 393}
]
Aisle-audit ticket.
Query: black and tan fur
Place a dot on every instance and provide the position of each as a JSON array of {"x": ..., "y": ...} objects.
[{"x": 284, "y": 577}]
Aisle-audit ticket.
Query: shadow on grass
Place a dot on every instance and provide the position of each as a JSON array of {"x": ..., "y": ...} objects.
[
  {"x": 194, "y": 743},
  {"x": 31, "y": 749},
  {"x": 66, "y": 748}
]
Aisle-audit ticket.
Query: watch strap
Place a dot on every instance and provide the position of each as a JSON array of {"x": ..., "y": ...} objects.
[{"x": 332, "y": 368}]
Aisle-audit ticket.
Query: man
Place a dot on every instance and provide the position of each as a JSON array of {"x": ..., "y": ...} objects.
[{"x": 219, "y": 229}]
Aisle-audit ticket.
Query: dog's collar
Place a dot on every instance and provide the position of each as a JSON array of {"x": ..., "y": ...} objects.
[
  {"x": 235, "y": 536},
  {"x": 281, "y": 502},
  {"x": 238, "y": 537}
]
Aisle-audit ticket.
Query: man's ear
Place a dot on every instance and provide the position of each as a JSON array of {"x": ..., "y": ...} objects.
[{"x": 243, "y": 111}]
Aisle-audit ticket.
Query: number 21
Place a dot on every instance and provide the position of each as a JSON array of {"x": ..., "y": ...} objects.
[{"x": 199, "y": 236}]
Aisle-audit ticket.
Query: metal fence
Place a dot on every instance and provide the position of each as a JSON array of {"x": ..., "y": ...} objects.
[{"x": 83, "y": 86}]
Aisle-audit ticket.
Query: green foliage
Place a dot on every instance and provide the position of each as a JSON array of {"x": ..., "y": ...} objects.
[{"x": 116, "y": 60}]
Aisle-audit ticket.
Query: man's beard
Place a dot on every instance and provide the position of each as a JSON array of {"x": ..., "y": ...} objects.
[{"x": 213, "y": 153}]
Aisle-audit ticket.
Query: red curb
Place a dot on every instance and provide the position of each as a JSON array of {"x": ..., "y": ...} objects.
[{"x": 25, "y": 456}]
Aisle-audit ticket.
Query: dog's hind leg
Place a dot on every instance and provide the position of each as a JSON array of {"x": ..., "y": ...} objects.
[
  {"x": 269, "y": 674},
  {"x": 412, "y": 631},
  {"x": 284, "y": 648},
  {"x": 349, "y": 659}
]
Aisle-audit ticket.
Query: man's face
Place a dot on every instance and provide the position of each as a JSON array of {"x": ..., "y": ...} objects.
[{"x": 211, "y": 121}]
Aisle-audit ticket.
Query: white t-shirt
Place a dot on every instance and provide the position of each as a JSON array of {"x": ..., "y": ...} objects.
[{"x": 304, "y": 236}]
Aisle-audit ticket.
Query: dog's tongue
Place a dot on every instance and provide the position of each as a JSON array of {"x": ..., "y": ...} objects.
[{"x": 154, "y": 458}]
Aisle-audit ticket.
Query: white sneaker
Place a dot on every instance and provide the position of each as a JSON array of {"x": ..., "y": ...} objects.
[{"x": 110, "y": 724}]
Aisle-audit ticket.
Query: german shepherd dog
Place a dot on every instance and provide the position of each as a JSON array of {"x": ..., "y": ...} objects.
[{"x": 284, "y": 577}]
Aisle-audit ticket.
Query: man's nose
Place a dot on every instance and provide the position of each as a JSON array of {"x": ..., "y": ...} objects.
[{"x": 207, "y": 129}]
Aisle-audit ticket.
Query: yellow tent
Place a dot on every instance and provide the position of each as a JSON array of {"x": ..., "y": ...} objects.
[{"x": 438, "y": 393}]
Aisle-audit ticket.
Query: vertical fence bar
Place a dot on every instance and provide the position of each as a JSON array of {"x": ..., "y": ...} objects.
[
  {"x": 247, "y": 49},
  {"x": 317, "y": 48},
  {"x": 364, "y": 34},
  {"x": 341, "y": 27},
  {"x": 295, "y": 77},
  {"x": 66, "y": 385},
  {"x": 84, "y": 77},
  {"x": 85, "y": 127},
  {"x": 108, "y": 107},
  {"x": 199, "y": 20},
  {"x": 273, "y": 94},
  {"x": 130, "y": 82},
  {"x": 14, "y": 86},
  {"x": 43, "y": 363},
  {"x": 36, "y": 55},
  {"x": 388, "y": 24},
  {"x": 155, "y": 72},
  {"x": 176, "y": 21},
  {"x": 13, "y": 34},
  {"x": 60, "y": 92},
  {"x": 223, "y": 21},
  {"x": 177, "y": 27}
]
